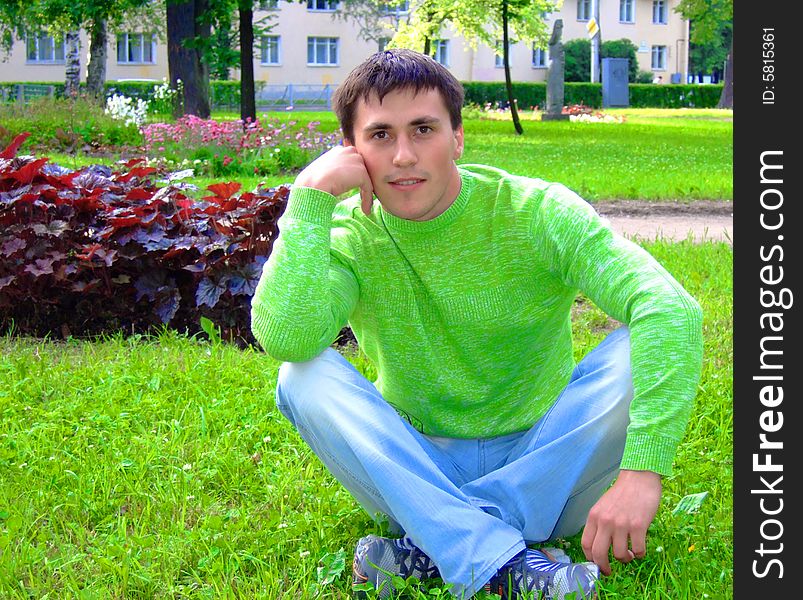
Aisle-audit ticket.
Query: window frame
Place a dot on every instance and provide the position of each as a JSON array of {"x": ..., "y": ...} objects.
[
  {"x": 543, "y": 53},
  {"x": 267, "y": 5},
  {"x": 127, "y": 36},
  {"x": 441, "y": 47},
  {"x": 659, "y": 11},
  {"x": 264, "y": 46},
  {"x": 499, "y": 60},
  {"x": 662, "y": 54},
  {"x": 331, "y": 6},
  {"x": 627, "y": 6},
  {"x": 586, "y": 10},
  {"x": 318, "y": 39},
  {"x": 38, "y": 60},
  {"x": 403, "y": 9}
]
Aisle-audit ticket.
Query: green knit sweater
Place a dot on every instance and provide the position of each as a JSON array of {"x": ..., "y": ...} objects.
[{"x": 467, "y": 316}]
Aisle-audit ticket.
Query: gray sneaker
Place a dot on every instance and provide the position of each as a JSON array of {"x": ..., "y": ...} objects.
[
  {"x": 534, "y": 574},
  {"x": 376, "y": 559}
]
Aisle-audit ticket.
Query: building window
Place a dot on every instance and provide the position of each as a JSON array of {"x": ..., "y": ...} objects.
[
  {"x": 136, "y": 48},
  {"x": 45, "y": 49},
  {"x": 659, "y": 58},
  {"x": 441, "y": 51},
  {"x": 270, "y": 50},
  {"x": 322, "y": 51},
  {"x": 584, "y": 10},
  {"x": 268, "y": 5},
  {"x": 540, "y": 57},
  {"x": 626, "y": 14},
  {"x": 499, "y": 59},
  {"x": 383, "y": 43},
  {"x": 395, "y": 9},
  {"x": 322, "y": 5},
  {"x": 659, "y": 11}
]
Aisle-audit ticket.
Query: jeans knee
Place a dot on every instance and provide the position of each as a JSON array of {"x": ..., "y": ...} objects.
[{"x": 299, "y": 383}]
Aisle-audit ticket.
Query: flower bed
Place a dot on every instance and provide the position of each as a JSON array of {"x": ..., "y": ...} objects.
[
  {"x": 226, "y": 148},
  {"x": 97, "y": 250}
]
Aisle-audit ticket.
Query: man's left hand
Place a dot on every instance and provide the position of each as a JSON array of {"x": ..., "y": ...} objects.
[{"x": 619, "y": 520}]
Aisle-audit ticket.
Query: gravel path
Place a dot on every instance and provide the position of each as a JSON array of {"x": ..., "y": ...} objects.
[{"x": 705, "y": 220}]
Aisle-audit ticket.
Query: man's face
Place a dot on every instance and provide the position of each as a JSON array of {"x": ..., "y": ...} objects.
[{"x": 409, "y": 148}]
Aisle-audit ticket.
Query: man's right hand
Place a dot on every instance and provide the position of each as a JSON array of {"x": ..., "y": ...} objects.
[{"x": 337, "y": 171}]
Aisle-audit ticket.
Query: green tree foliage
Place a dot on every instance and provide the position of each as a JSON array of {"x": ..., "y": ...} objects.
[
  {"x": 578, "y": 57},
  {"x": 711, "y": 26},
  {"x": 578, "y": 60},
  {"x": 486, "y": 21},
  {"x": 623, "y": 48},
  {"x": 56, "y": 17}
]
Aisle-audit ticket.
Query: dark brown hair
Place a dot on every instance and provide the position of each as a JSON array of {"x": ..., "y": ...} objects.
[{"x": 392, "y": 70}]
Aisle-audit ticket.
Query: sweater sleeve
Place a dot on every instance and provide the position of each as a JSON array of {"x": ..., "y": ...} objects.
[
  {"x": 305, "y": 294},
  {"x": 665, "y": 322}
]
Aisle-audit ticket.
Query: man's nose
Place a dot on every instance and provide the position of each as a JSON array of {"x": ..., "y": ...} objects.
[{"x": 405, "y": 155}]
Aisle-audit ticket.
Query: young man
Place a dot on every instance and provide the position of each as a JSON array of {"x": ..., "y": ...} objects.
[{"x": 480, "y": 435}]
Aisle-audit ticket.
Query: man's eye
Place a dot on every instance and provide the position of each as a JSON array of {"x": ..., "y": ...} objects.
[
  {"x": 424, "y": 129},
  {"x": 380, "y": 135}
]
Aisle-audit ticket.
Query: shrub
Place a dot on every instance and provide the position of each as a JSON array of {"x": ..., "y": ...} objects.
[
  {"x": 530, "y": 94},
  {"x": 643, "y": 77},
  {"x": 65, "y": 125},
  {"x": 577, "y": 60},
  {"x": 578, "y": 57},
  {"x": 622, "y": 48},
  {"x": 95, "y": 250}
]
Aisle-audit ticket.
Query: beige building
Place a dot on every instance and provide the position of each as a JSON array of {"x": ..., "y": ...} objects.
[{"x": 310, "y": 44}]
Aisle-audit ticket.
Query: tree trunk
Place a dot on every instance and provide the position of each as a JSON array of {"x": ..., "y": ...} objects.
[
  {"x": 247, "y": 95},
  {"x": 185, "y": 63},
  {"x": 726, "y": 99},
  {"x": 506, "y": 60},
  {"x": 96, "y": 69},
  {"x": 72, "y": 74}
]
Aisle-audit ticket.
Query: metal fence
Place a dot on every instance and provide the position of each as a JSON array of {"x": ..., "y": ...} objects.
[
  {"x": 296, "y": 96},
  {"x": 23, "y": 92}
]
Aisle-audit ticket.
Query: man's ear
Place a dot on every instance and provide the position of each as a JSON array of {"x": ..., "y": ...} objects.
[{"x": 458, "y": 136}]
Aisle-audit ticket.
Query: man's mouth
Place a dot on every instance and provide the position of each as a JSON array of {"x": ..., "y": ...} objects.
[{"x": 406, "y": 182}]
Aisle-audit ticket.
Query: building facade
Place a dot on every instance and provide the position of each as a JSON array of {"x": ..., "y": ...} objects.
[{"x": 311, "y": 43}]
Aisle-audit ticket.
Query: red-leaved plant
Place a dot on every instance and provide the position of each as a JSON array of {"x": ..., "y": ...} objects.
[{"x": 96, "y": 250}]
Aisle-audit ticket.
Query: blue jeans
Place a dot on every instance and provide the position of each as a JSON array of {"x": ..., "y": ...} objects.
[{"x": 469, "y": 504}]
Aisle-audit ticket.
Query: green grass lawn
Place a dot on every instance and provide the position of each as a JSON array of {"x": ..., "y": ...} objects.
[
  {"x": 656, "y": 154},
  {"x": 158, "y": 467}
]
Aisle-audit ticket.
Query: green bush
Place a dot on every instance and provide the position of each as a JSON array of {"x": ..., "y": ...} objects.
[
  {"x": 577, "y": 53},
  {"x": 643, "y": 77},
  {"x": 642, "y": 95},
  {"x": 622, "y": 48},
  {"x": 674, "y": 95},
  {"x": 577, "y": 60},
  {"x": 65, "y": 125},
  {"x": 225, "y": 94}
]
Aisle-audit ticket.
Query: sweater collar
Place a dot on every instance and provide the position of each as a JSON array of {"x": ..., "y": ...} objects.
[{"x": 446, "y": 218}]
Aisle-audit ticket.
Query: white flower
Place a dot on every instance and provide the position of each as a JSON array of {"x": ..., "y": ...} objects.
[{"x": 123, "y": 108}]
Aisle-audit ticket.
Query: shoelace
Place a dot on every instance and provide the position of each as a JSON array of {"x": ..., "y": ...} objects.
[
  {"x": 417, "y": 563},
  {"x": 515, "y": 577}
]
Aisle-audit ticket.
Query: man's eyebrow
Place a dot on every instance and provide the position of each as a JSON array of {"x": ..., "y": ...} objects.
[{"x": 425, "y": 120}]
